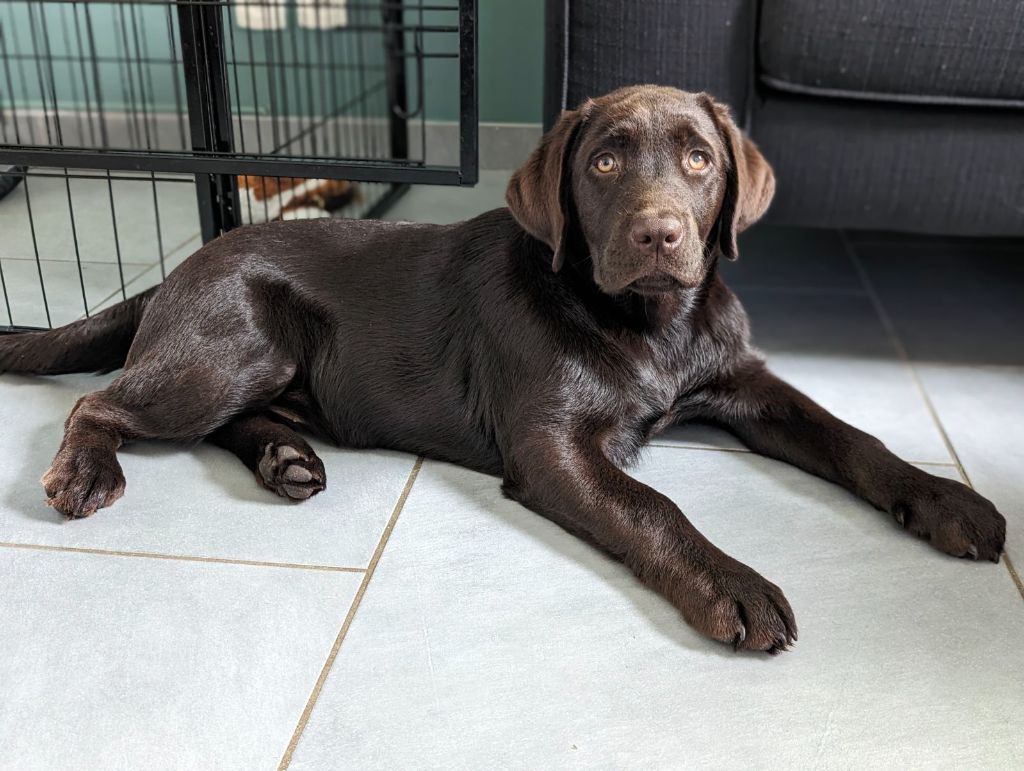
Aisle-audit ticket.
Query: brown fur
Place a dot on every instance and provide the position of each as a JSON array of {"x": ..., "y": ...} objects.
[{"x": 459, "y": 342}]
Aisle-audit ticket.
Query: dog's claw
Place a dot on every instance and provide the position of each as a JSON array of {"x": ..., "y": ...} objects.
[
  {"x": 952, "y": 517},
  {"x": 740, "y": 637}
]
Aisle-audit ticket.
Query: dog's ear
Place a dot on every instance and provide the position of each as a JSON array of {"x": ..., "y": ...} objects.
[
  {"x": 538, "y": 193},
  {"x": 749, "y": 183}
]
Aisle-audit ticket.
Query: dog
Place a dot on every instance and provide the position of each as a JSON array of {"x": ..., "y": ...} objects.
[
  {"x": 543, "y": 343},
  {"x": 264, "y": 199}
]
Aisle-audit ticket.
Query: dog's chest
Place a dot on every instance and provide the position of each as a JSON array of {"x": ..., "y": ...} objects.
[{"x": 652, "y": 390}]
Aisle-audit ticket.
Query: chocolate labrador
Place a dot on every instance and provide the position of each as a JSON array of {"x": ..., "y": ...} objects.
[{"x": 544, "y": 343}]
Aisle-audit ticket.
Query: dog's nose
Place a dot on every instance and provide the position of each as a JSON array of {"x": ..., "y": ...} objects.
[{"x": 655, "y": 234}]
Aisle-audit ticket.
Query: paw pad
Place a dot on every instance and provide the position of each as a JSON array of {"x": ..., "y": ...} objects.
[{"x": 290, "y": 472}]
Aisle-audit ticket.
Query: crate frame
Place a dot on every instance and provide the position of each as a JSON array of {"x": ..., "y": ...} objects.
[{"x": 215, "y": 162}]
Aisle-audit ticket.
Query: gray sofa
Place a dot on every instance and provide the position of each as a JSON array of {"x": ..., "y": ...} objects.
[{"x": 903, "y": 115}]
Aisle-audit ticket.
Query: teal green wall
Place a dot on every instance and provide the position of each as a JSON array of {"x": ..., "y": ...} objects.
[
  {"x": 511, "y": 60},
  {"x": 510, "y": 38}
]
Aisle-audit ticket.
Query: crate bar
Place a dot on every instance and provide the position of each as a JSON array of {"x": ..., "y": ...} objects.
[
  {"x": 397, "y": 101},
  {"x": 201, "y": 29},
  {"x": 397, "y": 89},
  {"x": 372, "y": 6},
  {"x": 187, "y": 163},
  {"x": 469, "y": 103},
  {"x": 15, "y": 329},
  {"x": 395, "y": 191}
]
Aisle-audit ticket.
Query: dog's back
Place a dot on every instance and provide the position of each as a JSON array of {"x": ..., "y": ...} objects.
[{"x": 387, "y": 325}]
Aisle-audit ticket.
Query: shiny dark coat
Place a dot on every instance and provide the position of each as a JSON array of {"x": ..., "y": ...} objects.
[{"x": 544, "y": 343}]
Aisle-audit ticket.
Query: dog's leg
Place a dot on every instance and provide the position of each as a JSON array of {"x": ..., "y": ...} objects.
[
  {"x": 282, "y": 460},
  {"x": 776, "y": 420},
  {"x": 162, "y": 398},
  {"x": 573, "y": 483}
]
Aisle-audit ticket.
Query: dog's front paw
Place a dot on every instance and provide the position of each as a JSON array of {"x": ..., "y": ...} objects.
[
  {"x": 80, "y": 481},
  {"x": 734, "y": 604},
  {"x": 952, "y": 517},
  {"x": 291, "y": 472}
]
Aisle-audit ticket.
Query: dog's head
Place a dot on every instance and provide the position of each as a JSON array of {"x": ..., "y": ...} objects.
[{"x": 655, "y": 180}]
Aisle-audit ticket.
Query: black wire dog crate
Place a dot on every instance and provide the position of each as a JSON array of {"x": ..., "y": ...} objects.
[{"x": 133, "y": 130}]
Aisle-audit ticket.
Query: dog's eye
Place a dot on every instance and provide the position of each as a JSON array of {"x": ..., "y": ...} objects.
[
  {"x": 605, "y": 163},
  {"x": 697, "y": 160}
]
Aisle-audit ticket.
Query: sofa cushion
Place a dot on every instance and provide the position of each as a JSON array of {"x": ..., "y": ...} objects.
[
  {"x": 845, "y": 164},
  {"x": 932, "y": 51}
]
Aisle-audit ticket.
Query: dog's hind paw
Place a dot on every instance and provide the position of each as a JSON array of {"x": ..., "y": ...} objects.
[
  {"x": 291, "y": 472},
  {"x": 80, "y": 481}
]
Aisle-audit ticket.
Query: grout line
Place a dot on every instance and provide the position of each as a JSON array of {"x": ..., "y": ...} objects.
[
  {"x": 142, "y": 269},
  {"x": 1013, "y": 572},
  {"x": 286, "y": 759},
  {"x": 116, "y": 292},
  {"x": 901, "y": 351},
  {"x": 1010, "y": 568},
  {"x": 944, "y": 464},
  {"x": 147, "y": 267},
  {"x": 178, "y": 557},
  {"x": 697, "y": 447}
]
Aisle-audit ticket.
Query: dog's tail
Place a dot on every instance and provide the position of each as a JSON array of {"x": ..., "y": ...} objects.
[{"x": 99, "y": 343}]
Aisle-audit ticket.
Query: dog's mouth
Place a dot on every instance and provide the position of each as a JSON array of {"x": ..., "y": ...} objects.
[{"x": 658, "y": 283}]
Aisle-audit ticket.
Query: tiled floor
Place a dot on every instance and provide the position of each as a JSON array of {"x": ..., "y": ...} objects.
[
  {"x": 410, "y": 617},
  {"x": 37, "y": 254}
]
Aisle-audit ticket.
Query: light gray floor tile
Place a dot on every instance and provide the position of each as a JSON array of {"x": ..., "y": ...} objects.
[
  {"x": 835, "y": 349},
  {"x": 89, "y": 219},
  {"x": 199, "y": 502},
  {"x": 952, "y": 306},
  {"x": 154, "y": 275},
  {"x": 701, "y": 436},
  {"x": 489, "y": 638},
  {"x": 982, "y": 409},
  {"x": 791, "y": 259},
  {"x": 63, "y": 289},
  {"x": 127, "y": 663},
  {"x": 452, "y": 204},
  {"x": 959, "y": 310}
]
